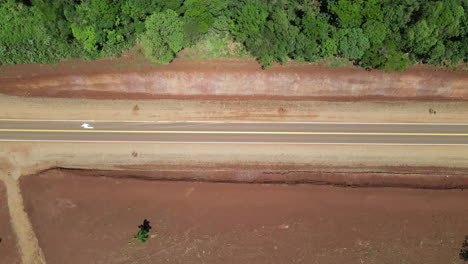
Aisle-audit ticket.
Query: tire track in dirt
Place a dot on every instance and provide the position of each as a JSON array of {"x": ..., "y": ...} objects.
[{"x": 27, "y": 242}]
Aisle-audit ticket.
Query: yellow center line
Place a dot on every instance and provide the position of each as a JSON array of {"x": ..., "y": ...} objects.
[{"x": 232, "y": 132}]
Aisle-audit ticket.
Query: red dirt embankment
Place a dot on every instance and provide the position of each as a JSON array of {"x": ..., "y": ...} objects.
[
  {"x": 130, "y": 78},
  {"x": 403, "y": 177}
]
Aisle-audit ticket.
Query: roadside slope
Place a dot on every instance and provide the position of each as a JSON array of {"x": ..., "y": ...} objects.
[{"x": 204, "y": 79}]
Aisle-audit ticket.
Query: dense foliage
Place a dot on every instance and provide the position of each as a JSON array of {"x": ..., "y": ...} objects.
[{"x": 382, "y": 34}]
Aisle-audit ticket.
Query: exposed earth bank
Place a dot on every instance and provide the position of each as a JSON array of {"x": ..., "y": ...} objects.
[
  {"x": 95, "y": 218},
  {"x": 230, "y": 79},
  {"x": 404, "y": 177}
]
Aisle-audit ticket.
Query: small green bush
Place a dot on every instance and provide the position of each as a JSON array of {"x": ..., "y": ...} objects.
[{"x": 143, "y": 233}]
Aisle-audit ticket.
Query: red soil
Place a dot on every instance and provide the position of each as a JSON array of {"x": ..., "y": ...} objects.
[
  {"x": 409, "y": 177},
  {"x": 136, "y": 78},
  {"x": 8, "y": 251},
  {"x": 91, "y": 220}
]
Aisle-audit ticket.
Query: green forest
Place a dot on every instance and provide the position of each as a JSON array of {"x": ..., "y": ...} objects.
[{"x": 375, "y": 34}]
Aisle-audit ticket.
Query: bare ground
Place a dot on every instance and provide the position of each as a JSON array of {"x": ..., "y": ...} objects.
[
  {"x": 8, "y": 251},
  {"x": 413, "y": 177},
  {"x": 30, "y": 157},
  {"x": 136, "y": 78},
  {"x": 92, "y": 220},
  {"x": 244, "y": 110}
]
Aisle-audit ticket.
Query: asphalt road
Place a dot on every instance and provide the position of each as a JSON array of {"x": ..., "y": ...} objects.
[{"x": 239, "y": 132}]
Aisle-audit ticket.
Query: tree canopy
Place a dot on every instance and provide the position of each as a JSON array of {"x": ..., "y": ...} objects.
[
  {"x": 381, "y": 34},
  {"x": 163, "y": 37}
]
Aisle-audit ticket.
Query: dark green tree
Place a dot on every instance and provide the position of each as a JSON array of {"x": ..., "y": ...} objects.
[
  {"x": 376, "y": 32},
  {"x": 96, "y": 26},
  {"x": 386, "y": 58},
  {"x": 352, "y": 43},
  {"x": 319, "y": 41},
  {"x": 248, "y": 19},
  {"x": 134, "y": 14},
  {"x": 26, "y": 35},
  {"x": 164, "y": 36},
  {"x": 440, "y": 22},
  {"x": 200, "y": 15},
  {"x": 348, "y": 12}
]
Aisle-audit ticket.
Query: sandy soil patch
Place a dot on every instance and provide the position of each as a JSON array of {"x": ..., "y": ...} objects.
[
  {"x": 238, "y": 110},
  {"x": 8, "y": 250},
  {"x": 91, "y": 220},
  {"x": 30, "y": 157}
]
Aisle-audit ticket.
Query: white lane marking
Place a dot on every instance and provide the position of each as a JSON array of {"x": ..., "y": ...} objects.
[
  {"x": 248, "y": 143},
  {"x": 86, "y": 126},
  {"x": 227, "y": 122}
]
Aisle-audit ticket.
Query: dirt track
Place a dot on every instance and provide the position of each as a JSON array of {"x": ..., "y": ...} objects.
[
  {"x": 91, "y": 220},
  {"x": 8, "y": 251}
]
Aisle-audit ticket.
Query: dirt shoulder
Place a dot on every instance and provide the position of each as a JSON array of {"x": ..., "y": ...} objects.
[
  {"x": 339, "y": 164},
  {"x": 136, "y": 78},
  {"x": 13, "y": 107},
  {"x": 96, "y": 218}
]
